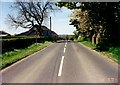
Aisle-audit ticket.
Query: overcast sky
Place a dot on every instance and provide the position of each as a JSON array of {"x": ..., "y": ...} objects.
[{"x": 60, "y": 20}]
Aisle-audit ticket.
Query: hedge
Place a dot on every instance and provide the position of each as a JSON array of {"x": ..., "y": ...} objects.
[{"x": 21, "y": 42}]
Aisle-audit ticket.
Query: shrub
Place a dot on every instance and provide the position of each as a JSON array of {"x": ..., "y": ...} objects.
[
  {"x": 21, "y": 42},
  {"x": 80, "y": 39},
  {"x": 103, "y": 45}
]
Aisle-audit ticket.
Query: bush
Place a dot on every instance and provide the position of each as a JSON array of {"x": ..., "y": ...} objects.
[
  {"x": 80, "y": 39},
  {"x": 103, "y": 45},
  {"x": 21, "y": 42},
  {"x": 115, "y": 50},
  {"x": 70, "y": 37}
]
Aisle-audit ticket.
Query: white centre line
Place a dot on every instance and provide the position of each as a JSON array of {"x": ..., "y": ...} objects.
[
  {"x": 64, "y": 50},
  {"x": 61, "y": 65},
  {"x": 65, "y": 44}
]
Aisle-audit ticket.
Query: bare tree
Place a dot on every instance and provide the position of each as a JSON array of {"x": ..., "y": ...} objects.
[{"x": 31, "y": 14}]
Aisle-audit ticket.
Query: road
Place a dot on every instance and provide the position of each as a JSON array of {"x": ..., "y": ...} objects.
[{"x": 65, "y": 62}]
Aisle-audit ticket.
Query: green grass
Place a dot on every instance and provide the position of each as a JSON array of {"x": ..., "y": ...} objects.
[
  {"x": 88, "y": 44},
  {"x": 10, "y": 57},
  {"x": 113, "y": 52}
]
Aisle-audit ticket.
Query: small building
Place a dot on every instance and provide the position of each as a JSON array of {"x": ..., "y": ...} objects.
[
  {"x": 3, "y": 33},
  {"x": 45, "y": 32}
]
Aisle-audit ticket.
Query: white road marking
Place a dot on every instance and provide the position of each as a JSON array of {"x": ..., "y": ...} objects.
[
  {"x": 61, "y": 65},
  {"x": 64, "y": 50},
  {"x": 65, "y": 44}
]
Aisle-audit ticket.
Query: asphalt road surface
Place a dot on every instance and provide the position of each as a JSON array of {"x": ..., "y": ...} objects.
[{"x": 65, "y": 62}]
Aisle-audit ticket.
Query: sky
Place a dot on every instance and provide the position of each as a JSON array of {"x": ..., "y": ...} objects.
[{"x": 60, "y": 20}]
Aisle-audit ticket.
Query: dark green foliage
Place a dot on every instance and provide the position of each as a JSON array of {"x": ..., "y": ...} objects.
[
  {"x": 115, "y": 50},
  {"x": 103, "y": 45},
  {"x": 21, "y": 42},
  {"x": 69, "y": 5},
  {"x": 104, "y": 18}
]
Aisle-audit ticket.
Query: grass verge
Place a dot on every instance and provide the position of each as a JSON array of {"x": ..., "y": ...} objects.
[
  {"x": 113, "y": 52},
  {"x": 88, "y": 44},
  {"x": 11, "y": 57}
]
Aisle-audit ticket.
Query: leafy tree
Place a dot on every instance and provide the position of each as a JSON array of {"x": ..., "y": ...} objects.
[
  {"x": 82, "y": 20},
  {"x": 103, "y": 18},
  {"x": 76, "y": 34}
]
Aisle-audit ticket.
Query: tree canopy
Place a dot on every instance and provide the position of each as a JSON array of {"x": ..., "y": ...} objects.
[{"x": 95, "y": 18}]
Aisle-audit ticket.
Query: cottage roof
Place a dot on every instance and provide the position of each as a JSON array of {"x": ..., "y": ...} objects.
[{"x": 3, "y": 33}]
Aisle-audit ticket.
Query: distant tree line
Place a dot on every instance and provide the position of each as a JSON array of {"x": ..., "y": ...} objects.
[{"x": 96, "y": 19}]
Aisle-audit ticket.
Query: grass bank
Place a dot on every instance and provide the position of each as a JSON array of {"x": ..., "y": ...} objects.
[
  {"x": 88, "y": 44},
  {"x": 113, "y": 52},
  {"x": 11, "y": 57}
]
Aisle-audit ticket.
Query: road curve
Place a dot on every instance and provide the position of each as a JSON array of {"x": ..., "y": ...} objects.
[{"x": 63, "y": 62}]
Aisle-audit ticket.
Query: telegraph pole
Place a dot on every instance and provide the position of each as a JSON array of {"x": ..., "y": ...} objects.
[
  {"x": 50, "y": 23},
  {"x": 51, "y": 28}
]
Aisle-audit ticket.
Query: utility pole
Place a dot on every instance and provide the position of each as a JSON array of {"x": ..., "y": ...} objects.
[
  {"x": 50, "y": 24},
  {"x": 50, "y": 27}
]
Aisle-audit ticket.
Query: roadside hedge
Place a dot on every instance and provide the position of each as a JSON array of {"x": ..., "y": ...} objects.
[{"x": 21, "y": 42}]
